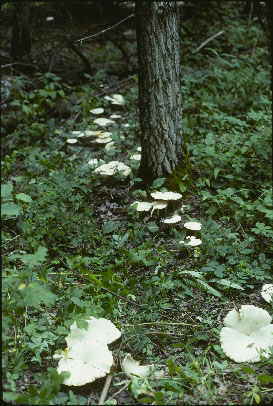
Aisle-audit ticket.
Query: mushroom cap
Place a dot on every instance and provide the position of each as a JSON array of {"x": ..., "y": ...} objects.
[
  {"x": 115, "y": 99},
  {"x": 101, "y": 330},
  {"x": 142, "y": 206},
  {"x": 115, "y": 116},
  {"x": 86, "y": 362},
  {"x": 166, "y": 195},
  {"x": 246, "y": 333},
  {"x": 173, "y": 219},
  {"x": 71, "y": 140},
  {"x": 245, "y": 348},
  {"x": 193, "y": 225},
  {"x": 98, "y": 110},
  {"x": 112, "y": 168},
  {"x": 249, "y": 319},
  {"x": 103, "y": 140},
  {"x": 103, "y": 121},
  {"x": 193, "y": 241},
  {"x": 110, "y": 145},
  {"x": 267, "y": 292},
  {"x": 90, "y": 132},
  {"x": 136, "y": 157},
  {"x": 131, "y": 368}
]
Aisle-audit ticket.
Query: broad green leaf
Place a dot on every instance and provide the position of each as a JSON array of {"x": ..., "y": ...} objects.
[
  {"x": 210, "y": 289},
  {"x": 248, "y": 370},
  {"x": 6, "y": 191},
  {"x": 228, "y": 283},
  {"x": 152, "y": 227},
  {"x": 24, "y": 197},
  {"x": 32, "y": 259},
  {"x": 265, "y": 379},
  {"x": 158, "y": 183},
  {"x": 109, "y": 226},
  {"x": 10, "y": 209},
  {"x": 35, "y": 293}
]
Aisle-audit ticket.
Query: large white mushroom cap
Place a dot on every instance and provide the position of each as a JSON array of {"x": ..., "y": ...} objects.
[
  {"x": 267, "y": 292},
  {"x": 132, "y": 369},
  {"x": 246, "y": 333},
  {"x": 101, "y": 330},
  {"x": 166, "y": 195},
  {"x": 87, "y": 356},
  {"x": 86, "y": 362}
]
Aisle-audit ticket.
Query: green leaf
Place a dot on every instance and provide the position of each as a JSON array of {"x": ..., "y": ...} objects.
[
  {"x": 158, "y": 183},
  {"x": 265, "y": 379},
  {"x": 109, "y": 226},
  {"x": 10, "y": 210},
  {"x": 210, "y": 289},
  {"x": 6, "y": 191},
  {"x": 32, "y": 260},
  {"x": 248, "y": 370},
  {"x": 152, "y": 227},
  {"x": 35, "y": 293},
  {"x": 216, "y": 171},
  {"x": 228, "y": 283},
  {"x": 24, "y": 197}
]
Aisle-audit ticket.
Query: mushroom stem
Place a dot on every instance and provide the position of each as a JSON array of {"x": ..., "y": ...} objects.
[{"x": 105, "y": 389}]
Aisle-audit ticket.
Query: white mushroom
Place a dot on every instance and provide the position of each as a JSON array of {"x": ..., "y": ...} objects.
[
  {"x": 142, "y": 206},
  {"x": 193, "y": 225},
  {"x": 71, "y": 140},
  {"x": 87, "y": 356},
  {"x": 173, "y": 219},
  {"x": 245, "y": 333},
  {"x": 166, "y": 196},
  {"x": 98, "y": 110},
  {"x": 136, "y": 157},
  {"x": 115, "y": 99},
  {"x": 132, "y": 369},
  {"x": 267, "y": 292},
  {"x": 110, "y": 145},
  {"x": 193, "y": 241},
  {"x": 159, "y": 205},
  {"x": 86, "y": 362},
  {"x": 103, "y": 121},
  {"x": 115, "y": 116},
  {"x": 112, "y": 168}
]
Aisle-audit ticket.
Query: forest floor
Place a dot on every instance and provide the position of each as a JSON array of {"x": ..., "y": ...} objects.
[{"x": 74, "y": 246}]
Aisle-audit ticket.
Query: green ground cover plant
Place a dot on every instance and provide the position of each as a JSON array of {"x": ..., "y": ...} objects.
[{"x": 74, "y": 247}]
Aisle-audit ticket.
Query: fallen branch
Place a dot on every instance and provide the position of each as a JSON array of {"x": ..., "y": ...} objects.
[
  {"x": 106, "y": 29},
  {"x": 207, "y": 41}
]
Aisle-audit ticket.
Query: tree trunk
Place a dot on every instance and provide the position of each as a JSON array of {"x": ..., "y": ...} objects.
[{"x": 160, "y": 100}]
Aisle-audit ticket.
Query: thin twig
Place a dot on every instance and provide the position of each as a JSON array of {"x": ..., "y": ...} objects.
[
  {"x": 105, "y": 389},
  {"x": 102, "y": 287},
  {"x": 160, "y": 322},
  {"x": 106, "y": 29},
  {"x": 207, "y": 41},
  {"x": 124, "y": 387}
]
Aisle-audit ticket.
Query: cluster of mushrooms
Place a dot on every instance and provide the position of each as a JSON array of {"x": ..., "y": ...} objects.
[{"x": 247, "y": 334}]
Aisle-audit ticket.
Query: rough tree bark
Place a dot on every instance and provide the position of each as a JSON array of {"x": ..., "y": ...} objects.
[{"x": 160, "y": 100}]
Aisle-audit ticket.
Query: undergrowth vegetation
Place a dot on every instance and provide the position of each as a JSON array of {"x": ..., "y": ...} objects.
[{"x": 74, "y": 248}]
